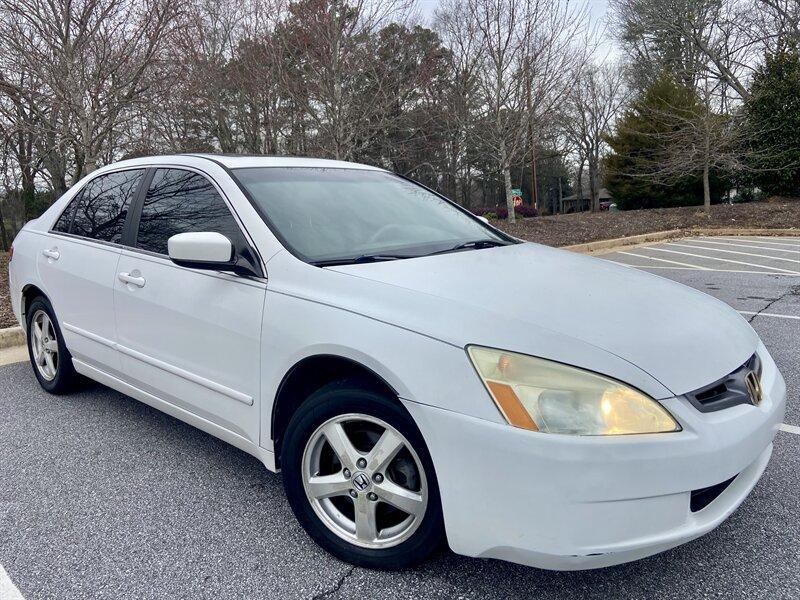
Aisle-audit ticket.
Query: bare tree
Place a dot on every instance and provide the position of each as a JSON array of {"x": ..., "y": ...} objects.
[
  {"x": 87, "y": 63},
  {"x": 699, "y": 39},
  {"x": 504, "y": 28},
  {"x": 561, "y": 42},
  {"x": 332, "y": 75},
  {"x": 465, "y": 55},
  {"x": 593, "y": 104},
  {"x": 698, "y": 140}
]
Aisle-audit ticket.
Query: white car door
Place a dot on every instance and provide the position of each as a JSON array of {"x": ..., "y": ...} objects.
[
  {"x": 189, "y": 337},
  {"x": 78, "y": 265}
]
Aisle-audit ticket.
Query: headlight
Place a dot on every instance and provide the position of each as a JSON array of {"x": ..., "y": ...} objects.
[{"x": 546, "y": 396}]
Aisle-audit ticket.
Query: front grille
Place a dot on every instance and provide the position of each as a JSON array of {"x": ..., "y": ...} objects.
[
  {"x": 729, "y": 391},
  {"x": 703, "y": 497}
]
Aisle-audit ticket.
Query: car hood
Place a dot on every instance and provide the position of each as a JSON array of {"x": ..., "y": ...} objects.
[{"x": 558, "y": 305}]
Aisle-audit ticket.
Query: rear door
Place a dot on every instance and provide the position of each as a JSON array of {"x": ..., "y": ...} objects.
[
  {"x": 77, "y": 263},
  {"x": 189, "y": 337}
]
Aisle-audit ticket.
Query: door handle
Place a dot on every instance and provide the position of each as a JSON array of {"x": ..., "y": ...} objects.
[
  {"x": 133, "y": 280},
  {"x": 52, "y": 253}
]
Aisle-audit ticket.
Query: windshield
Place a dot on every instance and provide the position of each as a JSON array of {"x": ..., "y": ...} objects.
[{"x": 351, "y": 215}]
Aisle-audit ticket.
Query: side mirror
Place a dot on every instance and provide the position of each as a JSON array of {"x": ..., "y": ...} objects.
[
  {"x": 201, "y": 250},
  {"x": 484, "y": 219}
]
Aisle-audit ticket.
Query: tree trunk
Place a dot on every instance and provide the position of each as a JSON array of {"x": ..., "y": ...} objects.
[
  {"x": 706, "y": 189},
  {"x": 3, "y": 232},
  {"x": 535, "y": 185},
  {"x": 560, "y": 197},
  {"x": 13, "y": 219},
  {"x": 594, "y": 195},
  {"x": 506, "y": 169},
  {"x": 509, "y": 195},
  {"x": 28, "y": 194}
]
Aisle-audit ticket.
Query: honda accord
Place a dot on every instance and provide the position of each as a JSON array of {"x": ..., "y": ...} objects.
[{"x": 416, "y": 375}]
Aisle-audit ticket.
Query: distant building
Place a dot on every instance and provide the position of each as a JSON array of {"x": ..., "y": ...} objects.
[{"x": 571, "y": 204}]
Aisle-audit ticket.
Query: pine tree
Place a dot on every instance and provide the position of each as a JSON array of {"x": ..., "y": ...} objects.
[
  {"x": 773, "y": 115},
  {"x": 639, "y": 146}
]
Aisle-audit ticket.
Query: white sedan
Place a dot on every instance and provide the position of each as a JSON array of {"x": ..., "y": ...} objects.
[{"x": 417, "y": 375}]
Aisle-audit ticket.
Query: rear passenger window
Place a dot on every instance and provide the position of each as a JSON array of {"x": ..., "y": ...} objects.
[
  {"x": 181, "y": 202},
  {"x": 65, "y": 220},
  {"x": 103, "y": 205}
]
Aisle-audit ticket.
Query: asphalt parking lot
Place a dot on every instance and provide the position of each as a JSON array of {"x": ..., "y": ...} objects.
[{"x": 104, "y": 497}]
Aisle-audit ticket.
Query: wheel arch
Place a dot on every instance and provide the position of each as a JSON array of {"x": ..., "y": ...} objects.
[
  {"x": 30, "y": 291},
  {"x": 310, "y": 374}
]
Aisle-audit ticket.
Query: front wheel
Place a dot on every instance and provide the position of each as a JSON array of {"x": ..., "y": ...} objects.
[{"x": 359, "y": 478}]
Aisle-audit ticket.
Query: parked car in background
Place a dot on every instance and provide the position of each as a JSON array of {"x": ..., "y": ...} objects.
[{"x": 416, "y": 375}]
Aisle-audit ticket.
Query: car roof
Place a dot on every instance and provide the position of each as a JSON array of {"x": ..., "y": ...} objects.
[{"x": 243, "y": 161}]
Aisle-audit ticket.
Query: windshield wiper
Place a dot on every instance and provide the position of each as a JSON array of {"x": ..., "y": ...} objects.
[
  {"x": 355, "y": 260},
  {"x": 472, "y": 245}
]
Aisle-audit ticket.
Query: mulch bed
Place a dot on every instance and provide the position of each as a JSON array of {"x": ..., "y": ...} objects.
[
  {"x": 579, "y": 228},
  {"x": 565, "y": 230},
  {"x": 6, "y": 316}
]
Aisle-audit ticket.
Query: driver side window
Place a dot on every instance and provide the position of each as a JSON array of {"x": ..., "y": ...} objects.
[{"x": 179, "y": 201}]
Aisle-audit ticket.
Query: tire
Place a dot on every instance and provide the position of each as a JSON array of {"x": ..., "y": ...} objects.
[
  {"x": 404, "y": 538},
  {"x": 56, "y": 374}
]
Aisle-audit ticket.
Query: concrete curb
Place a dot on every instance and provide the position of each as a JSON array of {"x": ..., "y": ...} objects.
[
  {"x": 660, "y": 236},
  {"x": 12, "y": 336}
]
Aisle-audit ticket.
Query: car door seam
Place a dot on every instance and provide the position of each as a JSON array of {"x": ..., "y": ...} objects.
[{"x": 182, "y": 373}]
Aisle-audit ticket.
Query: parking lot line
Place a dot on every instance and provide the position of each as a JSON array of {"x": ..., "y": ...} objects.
[
  {"x": 706, "y": 269},
  {"x": 709, "y": 270},
  {"x": 663, "y": 260},
  {"x": 789, "y": 428},
  {"x": 706, "y": 241},
  {"x": 755, "y": 240},
  {"x": 727, "y": 260},
  {"x": 783, "y": 238},
  {"x": 763, "y": 314},
  {"x": 783, "y": 258},
  {"x": 8, "y": 591}
]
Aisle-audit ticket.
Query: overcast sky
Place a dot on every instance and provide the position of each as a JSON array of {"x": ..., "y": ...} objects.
[{"x": 598, "y": 9}]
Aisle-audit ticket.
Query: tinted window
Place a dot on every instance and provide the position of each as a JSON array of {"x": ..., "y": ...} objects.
[
  {"x": 65, "y": 220},
  {"x": 103, "y": 205},
  {"x": 330, "y": 214},
  {"x": 182, "y": 202}
]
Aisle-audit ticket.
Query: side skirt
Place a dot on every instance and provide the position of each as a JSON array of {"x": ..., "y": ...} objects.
[{"x": 265, "y": 456}]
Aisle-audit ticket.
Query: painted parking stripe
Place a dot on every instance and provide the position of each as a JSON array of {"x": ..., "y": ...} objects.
[
  {"x": 8, "y": 591},
  {"x": 789, "y": 428},
  {"x": 709, "y": 270},
  {"x": 791, "y": 238},
  {"x": 735, "y": 245},
  {"x": 727, "y": 260},
  {"x": 763, "y": 314},
  {"x": 663, "y": 260},
  {"x": 786, "y": 244},
  {"x": 783, "y": 258}
]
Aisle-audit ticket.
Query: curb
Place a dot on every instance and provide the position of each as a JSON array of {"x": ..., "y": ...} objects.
[
  {"x": 12, "y": 336},
  {"x": 660, "y": 236}
]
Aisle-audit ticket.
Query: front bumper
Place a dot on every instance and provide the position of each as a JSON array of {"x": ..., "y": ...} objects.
[{"x": 569, "y": 502}]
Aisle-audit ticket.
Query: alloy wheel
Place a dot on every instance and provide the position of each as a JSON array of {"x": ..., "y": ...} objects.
[
  {"x": 365, "y": 481},
  {"x": 44, "y": 344}
]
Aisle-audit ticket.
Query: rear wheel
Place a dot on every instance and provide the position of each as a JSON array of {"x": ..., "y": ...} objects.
[
  {"x": 360, "y": 480},
  {"x": 51, "y": 361}
]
